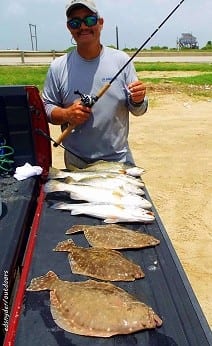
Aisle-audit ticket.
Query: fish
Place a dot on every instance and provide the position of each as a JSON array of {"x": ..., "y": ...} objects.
[
  {"x": 110, "y": 213},
  {"x": 108, "y": 183},
  {"x": 96, "y": 194},
  {"x": 92, "y": 308},
  {"x": 100, "y": 263},
  {"x": 55, "y": 173},
  {"x": 110, "y": 166},
  {"x": 114, "y": 236}
]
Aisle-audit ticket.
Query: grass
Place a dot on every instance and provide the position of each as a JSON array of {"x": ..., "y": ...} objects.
[
  {"x": 23, "y": 75},
  {"x": 200, "y": 84},
  {"x": 169, "y": 66}
]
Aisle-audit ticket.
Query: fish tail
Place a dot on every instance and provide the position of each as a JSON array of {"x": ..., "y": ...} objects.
[
  {"x": 54, "y": 185},
  {"x": 65, "y": 245},
  {"x": 42, "y": 283},
  {"x": 53, "y": 173}
]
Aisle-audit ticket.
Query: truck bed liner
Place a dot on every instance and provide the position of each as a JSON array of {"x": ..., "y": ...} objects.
[
  {"x": 165, "y": 288},
  {"x": 18, "y": 207}
]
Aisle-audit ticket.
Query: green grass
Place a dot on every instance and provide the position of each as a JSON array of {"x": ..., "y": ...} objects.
[
  {"x": 202, "y": 79},
  {"x": 198, "y": 85},
  {"x": 23, "y": 75},
  {"x": 35, "y": 75},
  {"x": 166, "y": 66}
]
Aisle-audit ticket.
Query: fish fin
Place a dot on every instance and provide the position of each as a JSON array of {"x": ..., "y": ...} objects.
[
  {"x": 111, "y": 220},
  {"x": 135, "y": 171},
  {"x": 75, "y": 229},
  {"x": 122, "y": 171},
  {"x": 147, "y": 205},
  {"x": 74, "y": 195},
  {"x": 42, "y": 283},
  {"x": 65, "y": 245},
  {"x": 58, "y": 315},
  {"x": 62, "y": 206},
  {"x": 141, "y": 192},
  {"x": 118, "y": 192},
  {"x": 70, "y": 180},
  {"x": 75, "y": 212}
]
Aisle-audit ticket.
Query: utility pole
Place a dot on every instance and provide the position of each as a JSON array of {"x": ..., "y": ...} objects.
[
  {"x": 117, "y": 37},
  {"x": 33, "y": 35}
]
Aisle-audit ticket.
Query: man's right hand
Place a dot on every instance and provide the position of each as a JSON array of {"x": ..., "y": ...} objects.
[{"x": 77, "y": 114}]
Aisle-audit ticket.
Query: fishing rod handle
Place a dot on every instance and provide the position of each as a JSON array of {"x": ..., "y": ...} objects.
[
  {"x": 63, "y": 135},
  {"x": 103, "y": 90}
]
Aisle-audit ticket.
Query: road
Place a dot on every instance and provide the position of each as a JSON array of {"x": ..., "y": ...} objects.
[{"x": 45, "y": 60}]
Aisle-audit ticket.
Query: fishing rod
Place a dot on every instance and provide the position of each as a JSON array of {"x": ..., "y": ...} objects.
[{"x": 89, "y": 100}]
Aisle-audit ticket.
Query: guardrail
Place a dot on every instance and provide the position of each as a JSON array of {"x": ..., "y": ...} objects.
[
  {"x": 22, "y": 57},
  {"x": 8, "y": 57}
]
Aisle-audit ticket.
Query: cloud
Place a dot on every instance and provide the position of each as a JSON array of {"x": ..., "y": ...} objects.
[
  {"x": 15, "y": 10},
  {"x": 136, "y": 20}
]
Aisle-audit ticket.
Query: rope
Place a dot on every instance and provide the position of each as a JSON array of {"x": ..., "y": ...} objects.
[{"x": 6, "y": 161}]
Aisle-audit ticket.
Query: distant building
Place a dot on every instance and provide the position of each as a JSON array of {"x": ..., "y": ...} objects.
[{"x": 187, "y": 40}]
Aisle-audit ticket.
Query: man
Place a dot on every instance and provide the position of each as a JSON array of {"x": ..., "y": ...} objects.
[{"x": 101, "y": 131}]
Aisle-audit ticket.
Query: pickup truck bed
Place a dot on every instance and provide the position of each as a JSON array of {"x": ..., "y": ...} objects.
[
  {"x": 27, "y": 219},
  {"x": 18, "y": 207},
  {"x": 165, "y": 288}
]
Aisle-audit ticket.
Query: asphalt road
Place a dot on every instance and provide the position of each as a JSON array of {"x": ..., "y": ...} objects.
[{"x": 45, "y": 60}]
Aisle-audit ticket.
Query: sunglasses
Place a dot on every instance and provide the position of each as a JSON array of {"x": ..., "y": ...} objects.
[{"x": 75, "y": 23}]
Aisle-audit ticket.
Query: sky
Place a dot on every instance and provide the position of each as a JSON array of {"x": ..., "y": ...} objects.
[{"x": 135, "y": 20}]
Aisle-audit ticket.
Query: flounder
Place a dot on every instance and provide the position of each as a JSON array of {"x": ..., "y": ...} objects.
[
  {"x": 100, "y": 263},
  {"x": 94, "y": 308},
  {"x": 114, "y": 236}
]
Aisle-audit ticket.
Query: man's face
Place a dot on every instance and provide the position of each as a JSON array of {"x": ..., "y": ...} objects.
[{"x": 85, "y": 34}]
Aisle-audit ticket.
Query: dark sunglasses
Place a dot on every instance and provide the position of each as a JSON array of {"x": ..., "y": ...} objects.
[{"x": 75, "y": 23}]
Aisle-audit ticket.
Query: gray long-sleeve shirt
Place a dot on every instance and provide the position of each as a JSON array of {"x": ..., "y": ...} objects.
[{"x": 104, "y": 135}]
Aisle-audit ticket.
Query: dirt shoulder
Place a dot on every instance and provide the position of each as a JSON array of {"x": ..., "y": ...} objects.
[{"x": 173, "y": 143}]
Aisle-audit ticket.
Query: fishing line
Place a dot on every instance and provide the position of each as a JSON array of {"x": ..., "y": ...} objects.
[{"x": 44, "y": 134}]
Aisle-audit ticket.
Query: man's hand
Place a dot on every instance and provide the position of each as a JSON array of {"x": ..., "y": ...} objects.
[
  {"x": 138, "y": 91},
  {"x": 77, "y": 114}
]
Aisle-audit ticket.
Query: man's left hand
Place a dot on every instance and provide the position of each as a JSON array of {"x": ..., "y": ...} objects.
[{"x": 138, "y": 91}]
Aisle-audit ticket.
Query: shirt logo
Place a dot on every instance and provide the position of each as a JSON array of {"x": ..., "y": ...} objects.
[{"x": 106, "y": 79}]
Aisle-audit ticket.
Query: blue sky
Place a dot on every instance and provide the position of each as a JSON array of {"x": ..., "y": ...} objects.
[{"x": 136, "y": 20}]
